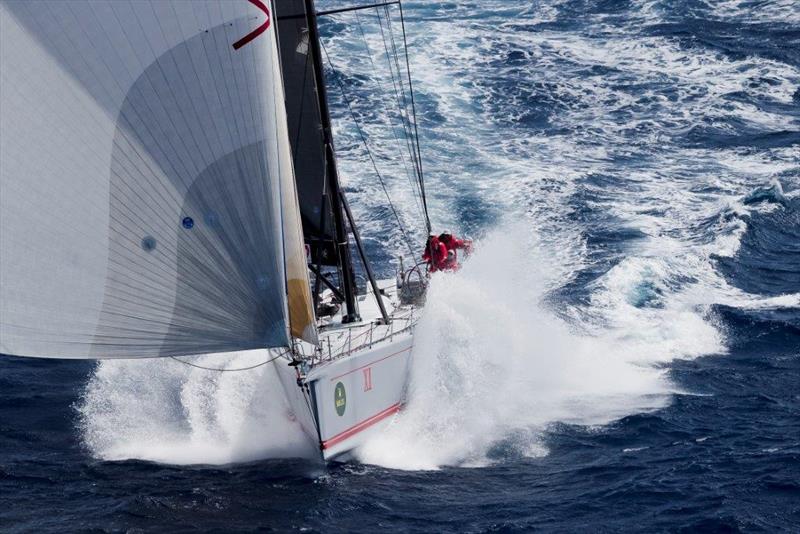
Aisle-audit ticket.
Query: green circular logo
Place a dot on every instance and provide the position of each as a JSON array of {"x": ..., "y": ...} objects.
[{"x": 340, "y": 398}]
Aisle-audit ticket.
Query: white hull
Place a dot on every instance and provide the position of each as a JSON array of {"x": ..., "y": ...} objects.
[
  {"x": 352, "y": 398},
  {"x": 342, "y": 400}
]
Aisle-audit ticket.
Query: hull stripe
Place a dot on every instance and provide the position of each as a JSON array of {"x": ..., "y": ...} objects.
[
  {"x": 363, "y": 425},
  {"x": 372, "y": 363}
]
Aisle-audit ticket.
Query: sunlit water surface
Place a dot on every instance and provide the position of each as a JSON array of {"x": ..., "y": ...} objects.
[{"x": 622, "y": 352}]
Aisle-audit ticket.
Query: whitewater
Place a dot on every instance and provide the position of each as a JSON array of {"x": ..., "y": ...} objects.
[
  {"x": 620, "y": 353},
  {"x": 599, "y": 214}
]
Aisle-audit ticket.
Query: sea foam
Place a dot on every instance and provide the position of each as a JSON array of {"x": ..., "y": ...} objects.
[
  {"x": 167, "y": 412},
  {"x": 494, "y": 365}
]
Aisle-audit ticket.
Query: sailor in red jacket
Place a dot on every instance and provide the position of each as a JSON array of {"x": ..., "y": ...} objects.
[
  {"x": 453, "y": 243},
  {"x": 435, "y": 254}
]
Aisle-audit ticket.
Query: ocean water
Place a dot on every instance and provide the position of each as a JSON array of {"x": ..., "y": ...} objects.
[{"x": 621, "y": 353}]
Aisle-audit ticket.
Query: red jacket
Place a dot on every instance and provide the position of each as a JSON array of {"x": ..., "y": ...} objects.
[
  {"x": 436, "y": 255},
  {"x": 453, "y": 243}
]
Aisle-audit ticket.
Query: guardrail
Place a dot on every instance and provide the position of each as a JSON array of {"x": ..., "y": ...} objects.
[{"x": 362, "y": 340}]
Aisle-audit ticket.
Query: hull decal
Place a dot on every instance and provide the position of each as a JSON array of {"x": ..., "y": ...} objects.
[
  {"x": 372, "y": 363},
  {"x": 363, "y": 425}
]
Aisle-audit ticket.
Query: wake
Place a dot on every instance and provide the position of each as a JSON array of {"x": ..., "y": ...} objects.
[{"x": 493, "y": 364}]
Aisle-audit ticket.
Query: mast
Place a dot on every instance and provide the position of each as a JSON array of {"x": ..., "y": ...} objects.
[{"x": 331, "y": 172}]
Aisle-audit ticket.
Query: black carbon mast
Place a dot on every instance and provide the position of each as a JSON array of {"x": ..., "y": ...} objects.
[
  {"x": 338, "y": 201},
  {"x": 331, "y": 173},
  {"x": 327, "y": 219}
]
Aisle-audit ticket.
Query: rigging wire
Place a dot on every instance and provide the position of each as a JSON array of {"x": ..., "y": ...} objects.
[
  {"x": 404, "y": 105},
  {"x": 415, "y": 135},
  {"x": 337, "y": 77},
  {"x": 414, "y": 112},
  {"x": 220, "y": 370},
  {"x": 414, "y": 185}
]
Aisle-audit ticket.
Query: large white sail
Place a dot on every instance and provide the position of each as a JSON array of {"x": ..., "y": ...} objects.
[{"x": 141, "y": 161}]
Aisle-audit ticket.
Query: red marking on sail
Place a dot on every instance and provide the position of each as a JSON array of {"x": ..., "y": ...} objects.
[{"x": 258, "y": 31}]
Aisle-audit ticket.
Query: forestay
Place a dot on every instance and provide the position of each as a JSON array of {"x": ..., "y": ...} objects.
[{"x": 147, "y": 202}]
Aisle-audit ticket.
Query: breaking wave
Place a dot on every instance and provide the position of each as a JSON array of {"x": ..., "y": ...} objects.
[
  {"x": 495, "y": 366},
  {"x": 615, "y": 175},
  {"x": 167, "y": 412}
]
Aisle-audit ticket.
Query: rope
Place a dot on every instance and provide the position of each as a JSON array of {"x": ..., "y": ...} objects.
[
  {"x": 406, "y": 120},
  {"x": 190, "y": 364},
  {"x": 411, "y": 179},
  {"x": 401, "y": 106},
  {"x": 414, "y": 112},
  {"x": 369, "y": 152}
]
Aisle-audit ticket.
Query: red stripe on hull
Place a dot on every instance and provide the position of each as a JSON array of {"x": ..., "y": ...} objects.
[
  {"x": 363, "y": 425},
  {"x": 371, "y": 363}
]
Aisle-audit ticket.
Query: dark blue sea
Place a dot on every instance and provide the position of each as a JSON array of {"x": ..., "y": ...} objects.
[{"x": 620, "y": 354}]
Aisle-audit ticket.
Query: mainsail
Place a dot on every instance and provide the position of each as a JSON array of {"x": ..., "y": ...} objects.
[
  {"x": 147, "y": 201},
  {"x": 305, "y": 130}
]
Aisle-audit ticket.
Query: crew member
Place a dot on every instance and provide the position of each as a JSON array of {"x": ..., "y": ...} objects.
[
  {"x": 454, "y": 243},
  {"x": 435, "y": 254}
]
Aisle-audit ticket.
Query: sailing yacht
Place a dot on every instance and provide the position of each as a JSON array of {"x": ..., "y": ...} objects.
[{"x": 169, "y": 187}]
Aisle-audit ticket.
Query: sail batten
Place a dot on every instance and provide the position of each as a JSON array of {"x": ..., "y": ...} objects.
[{"x": 144, "y": 205}]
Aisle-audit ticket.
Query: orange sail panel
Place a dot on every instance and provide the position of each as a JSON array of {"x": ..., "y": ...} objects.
[{"x": 301, "y": 313}]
